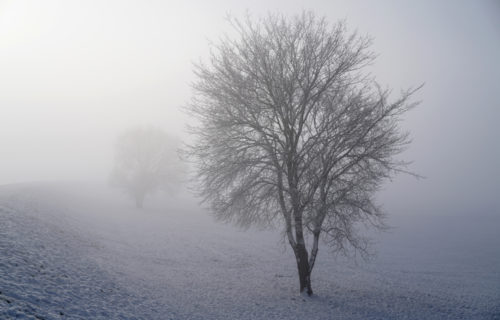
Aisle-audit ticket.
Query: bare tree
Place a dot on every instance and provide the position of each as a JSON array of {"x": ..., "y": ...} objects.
[
  {"x": 290, "y": 131},
  {"x": 145, "y": 161}
]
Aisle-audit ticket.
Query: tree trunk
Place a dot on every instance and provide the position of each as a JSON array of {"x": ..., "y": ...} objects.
[
  {"x": 314, "y": 251},
  {"x": 300, "y": 251},
  {"x": 303, "y": 268}
]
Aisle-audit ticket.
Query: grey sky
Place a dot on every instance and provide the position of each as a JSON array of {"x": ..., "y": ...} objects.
[{"x": 73, "y": 74}]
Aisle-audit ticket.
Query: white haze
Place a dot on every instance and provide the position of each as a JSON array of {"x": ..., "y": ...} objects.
[{"x": 73, "y": 74}]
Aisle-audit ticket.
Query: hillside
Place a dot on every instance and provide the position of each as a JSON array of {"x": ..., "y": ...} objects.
[{"x": 82, "y": 251}]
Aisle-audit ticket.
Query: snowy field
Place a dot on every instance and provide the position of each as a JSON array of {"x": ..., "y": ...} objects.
[{"x": 84, "y": 252}]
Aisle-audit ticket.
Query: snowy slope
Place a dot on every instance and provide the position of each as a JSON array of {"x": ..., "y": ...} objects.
[{"x": 81, "y": 251}]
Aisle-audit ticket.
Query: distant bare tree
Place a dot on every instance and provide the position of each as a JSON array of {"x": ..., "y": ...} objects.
[
  {"x": 145, "y": 161},
  {"x": 291, "y": 131}
]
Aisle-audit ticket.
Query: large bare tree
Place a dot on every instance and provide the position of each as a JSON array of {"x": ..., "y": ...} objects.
[{"x": 291, "y": 132}]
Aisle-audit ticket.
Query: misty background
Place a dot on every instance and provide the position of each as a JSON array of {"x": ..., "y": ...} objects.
[{"x": 74, "y": 74}]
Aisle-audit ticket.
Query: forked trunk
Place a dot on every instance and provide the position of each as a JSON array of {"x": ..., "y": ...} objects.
[{"x": 303, "y": 268}]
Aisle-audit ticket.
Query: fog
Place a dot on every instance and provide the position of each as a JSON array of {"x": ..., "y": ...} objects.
[{"x": 75, "y": 75}]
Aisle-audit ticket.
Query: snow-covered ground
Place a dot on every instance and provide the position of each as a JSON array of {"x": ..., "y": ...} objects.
[{"x": 82, "y": 251}]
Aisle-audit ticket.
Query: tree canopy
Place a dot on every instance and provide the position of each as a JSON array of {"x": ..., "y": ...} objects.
[{"x": 293, "y": 131}]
